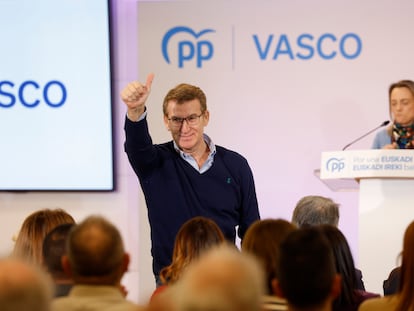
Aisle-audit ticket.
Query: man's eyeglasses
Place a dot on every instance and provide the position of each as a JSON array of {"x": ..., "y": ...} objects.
[{"x": 192, "y": 120}]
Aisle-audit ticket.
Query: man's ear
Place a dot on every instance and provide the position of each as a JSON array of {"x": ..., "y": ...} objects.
[
  {"x": 336, "y": 286},
  {"x": 277, "y": 291},
  {"x": 206, "y": 117},
  {"x": 66, "y": 265},
  {"x": 125, "y": 263},
  {"x": 166, "y": 123}
]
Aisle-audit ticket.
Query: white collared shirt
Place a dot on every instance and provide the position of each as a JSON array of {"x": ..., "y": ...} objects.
[{"x": 210, "y": 159}]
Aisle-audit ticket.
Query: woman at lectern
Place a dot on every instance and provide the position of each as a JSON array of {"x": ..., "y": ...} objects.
[{"x": 400, "y": 134}]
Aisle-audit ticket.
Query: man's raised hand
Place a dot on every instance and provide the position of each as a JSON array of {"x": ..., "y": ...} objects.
[{"x": 134, "y": 95}]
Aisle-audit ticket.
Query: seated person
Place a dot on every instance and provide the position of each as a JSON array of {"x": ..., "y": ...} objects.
[
  {"x": 392, "y": 284},
  {"x": 314, "y": 210},
  {"x": 222, "y": 279},
  {"x": 96, "y": 261},
  {"x": 307, "y": 276},
  {"x": 403, "y": 299},
  {"x": 23, "y": 286},
  {"x": 194, "y": 237},
  {"x": 29, "y": 241},
  {"x": 351, "y": 297},
  {"x": 54, "y": 248},
  {"x": 272, "y": 231}
]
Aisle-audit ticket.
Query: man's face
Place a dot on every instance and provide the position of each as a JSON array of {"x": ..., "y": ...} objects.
[{"x": 188, "y": 133}]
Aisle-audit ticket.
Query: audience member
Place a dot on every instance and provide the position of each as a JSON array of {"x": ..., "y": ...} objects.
[
  {"x": 96, "y": 261},
  {"x": 194, "y": 237},
  {"x": 23, "y": 287},
  {"x": 314, "y": 210},
  {"x": 29, "y": 241},
  {"x": 223, "y": 279},
  {"x": 351, "y": 297},
  {"x": 307, "y": 276},
  {"x": 262, "y": 240},
  {"x": 392, "y": 284},
  {"x": 54, "y": 248},
  {"x": 403, "y": 300}
]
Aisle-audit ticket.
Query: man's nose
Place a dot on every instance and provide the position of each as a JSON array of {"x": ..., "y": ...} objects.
[{"x": 184, "y": 126}]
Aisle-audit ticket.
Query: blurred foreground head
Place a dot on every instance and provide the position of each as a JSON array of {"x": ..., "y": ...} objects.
[
  {"x": 23, "y": 287},
  {"x": 223, "y": 279}
]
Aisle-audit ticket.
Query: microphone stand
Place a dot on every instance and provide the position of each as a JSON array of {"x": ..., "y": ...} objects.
[{"x": 366, "y": 134}]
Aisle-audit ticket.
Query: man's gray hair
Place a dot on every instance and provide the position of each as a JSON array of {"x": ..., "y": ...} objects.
[{"x": 316, "y": 210}]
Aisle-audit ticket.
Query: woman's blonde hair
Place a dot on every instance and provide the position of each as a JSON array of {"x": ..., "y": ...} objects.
[
  {"x": 35, "y": 227},
  {"x": 194, "y": 237}
]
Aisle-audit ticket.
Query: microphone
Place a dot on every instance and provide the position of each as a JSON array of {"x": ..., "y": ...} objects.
[{"x": 366, "y": 134}]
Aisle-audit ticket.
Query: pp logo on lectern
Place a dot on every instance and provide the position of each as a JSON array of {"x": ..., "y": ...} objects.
[
  {"x": 187, "y": 50},
  {"x": 335, "y": 165}
]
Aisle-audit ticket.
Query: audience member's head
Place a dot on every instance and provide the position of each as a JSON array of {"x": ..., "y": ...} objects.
[
  {"x": 315, "y": 210},
  {"x": 403, "y": 299},
  {"x": 35, "y": 227},
  {"x": 344, "y": 264},
  {"x": 306, "y": 267},
  {"x": 263, "y": 239},
  {"x": 223, "y": 279},
  {"x": 406, "y": 288},
  {"x": 95, "y": 253},
  {"x": 23, "y": 287},
  {"x": 54, "y": 248},
  {"x": 194, "y": 237},
  {"x": 392, "y": 284}
]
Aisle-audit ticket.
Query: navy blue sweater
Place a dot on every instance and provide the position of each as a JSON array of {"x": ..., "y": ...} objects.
[{"x": 175, "y": 192}]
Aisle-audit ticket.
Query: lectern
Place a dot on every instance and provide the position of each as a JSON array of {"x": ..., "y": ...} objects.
[{"x": 386, "y": 204}]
